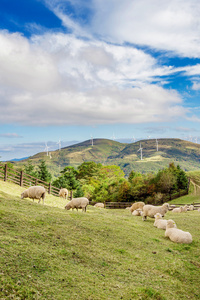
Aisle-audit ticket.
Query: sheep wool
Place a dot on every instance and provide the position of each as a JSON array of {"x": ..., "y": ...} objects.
[
  {"x": 177, "y": 235},
  {"x": 77, "y": 203},
  {"x": 151, "y": 210},
  {"x": 99, "y": 204},
  {"x": 178, "y": 209},
  {"x": 159, "y": 222},
  {"x": 63, "y": 193},
  {"x": 191, "y": 207},
  {"x": 137, "y": 205},
  {"x": 34, "y": 192},
  {"x": 137, "y": 212}
]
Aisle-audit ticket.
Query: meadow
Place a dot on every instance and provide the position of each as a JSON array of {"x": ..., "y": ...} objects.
[{"x": 50, "y": 253}]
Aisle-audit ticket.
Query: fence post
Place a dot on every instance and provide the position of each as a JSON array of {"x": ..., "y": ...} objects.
[
  {"x": 71, "y": 195},
  {"x": 49, "y": 189},
  {"x": 21, "y": 178},
  {"x": 36, "y": 181},
  {"x": 5, "y": 172}
]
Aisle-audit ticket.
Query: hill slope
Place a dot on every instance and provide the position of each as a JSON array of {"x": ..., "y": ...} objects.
[
  {"x": 50, "y": 253},
  {"x": 187, "y": 154}
]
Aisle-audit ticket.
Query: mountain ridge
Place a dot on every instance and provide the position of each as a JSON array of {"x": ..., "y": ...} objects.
[{"x": 125, "y": 155}]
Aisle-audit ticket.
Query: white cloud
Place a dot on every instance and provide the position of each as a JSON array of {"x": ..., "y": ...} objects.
[
  {"x": 59, "y": 79},
  {"x": 172, "y": 25}
]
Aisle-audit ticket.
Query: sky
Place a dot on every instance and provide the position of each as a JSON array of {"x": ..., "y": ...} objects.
[{"x": 117, "y": 69}]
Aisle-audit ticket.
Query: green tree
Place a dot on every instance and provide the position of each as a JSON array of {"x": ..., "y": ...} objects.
[
  {"x": 68, "y": 179},
  {"x": 29, "y": 169},
  {"x": 43, "y": 173},
  {"x": 79, "y": 192},
  {"x": 182, "y": 180}
]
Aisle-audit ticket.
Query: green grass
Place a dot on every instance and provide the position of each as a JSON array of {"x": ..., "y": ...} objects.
[{"x": 50, "y": 253}]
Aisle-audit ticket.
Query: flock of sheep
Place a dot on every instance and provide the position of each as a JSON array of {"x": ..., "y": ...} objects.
[
  {"x": 158, "y": 212},
  {"x": 39, "y": 192},
  {"x": 137, "y": 209}
]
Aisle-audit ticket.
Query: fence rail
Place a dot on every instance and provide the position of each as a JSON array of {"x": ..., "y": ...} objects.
[{"x": 26, "y": 180}]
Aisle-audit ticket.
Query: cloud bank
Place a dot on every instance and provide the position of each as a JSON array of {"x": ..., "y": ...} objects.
[{"x": 59, "y": 79}]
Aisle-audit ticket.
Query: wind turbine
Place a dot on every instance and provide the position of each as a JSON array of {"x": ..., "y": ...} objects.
[
  {"x": 92, "y": 141},
  {"x": 148, "y": 136},
  {"x": 195, "y": 140},
  {"x": 140, "y": 149},
  {"x": 46, "y": 148},
  {"x": 156, "y": 144},
  {"x": 50, "y": 155},
  {"x": 59, "y": 144}
]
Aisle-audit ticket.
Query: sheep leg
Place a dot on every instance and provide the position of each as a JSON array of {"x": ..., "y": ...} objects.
[
  {"x": 39, "y": 200},
  {"x": 144, "y": 218}
]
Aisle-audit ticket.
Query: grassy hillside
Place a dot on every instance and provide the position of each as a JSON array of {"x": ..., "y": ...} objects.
[
  {"x": 185, "y": 153},
  {"x": 50, "y": 253}
]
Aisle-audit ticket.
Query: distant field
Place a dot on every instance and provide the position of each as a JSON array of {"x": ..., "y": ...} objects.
[{"x": 50, "y": 253}]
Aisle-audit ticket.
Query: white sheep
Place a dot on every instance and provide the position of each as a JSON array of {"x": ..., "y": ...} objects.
[
  {"x": 159, "y": 222},
  {"x": 34, "y": 192},
  {"x": 185, "y": 208},
  {"x": 77, "y": 203},
  {"x": 137, "y": 212},
  {"x": 177, "y": 235},
  {"x": 63, "y": 193},
  {"x": 178, "y": 209},
  {"x": 151, "y": 210},
  {"x": 99, "y": 204},
  {"x": 137, "y": 205},
  {"x": 191, "y": 207}
]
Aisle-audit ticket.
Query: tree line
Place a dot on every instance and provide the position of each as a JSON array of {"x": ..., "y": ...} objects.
[{"x": 108, "y": 183}]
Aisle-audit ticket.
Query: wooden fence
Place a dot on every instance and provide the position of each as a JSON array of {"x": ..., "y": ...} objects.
[{"x": 23, "y": 179}]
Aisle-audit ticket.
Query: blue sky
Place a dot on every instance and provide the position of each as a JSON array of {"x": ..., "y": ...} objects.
[{"x": 70, "y": 69}]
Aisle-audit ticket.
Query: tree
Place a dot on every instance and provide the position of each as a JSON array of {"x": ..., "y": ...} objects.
[
  {"x": 87, "y": 170},
  {"x": 182, "y": 180},
  {"x": 166, "y": 181},
  {"x": 68, "y": 179},
  {"x": 29, "y": 169},
  {"x": 43, "y": 173}
]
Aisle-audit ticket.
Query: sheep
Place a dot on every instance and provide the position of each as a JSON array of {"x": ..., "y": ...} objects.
[
  {"x": 77, "y": 203},
  {"x": 99, "y": 204},
  {"x": 151, "y": 210},
  {"x": 34, "y": 192},
  {"x": 137, "y": 205},
  {"x": 191, "y": 207},
  {"x": 178, "y": 209},
  {"x": 63, "y": 193},
  {"x": 159, "y": 222},
  {"x": 185, "y": 208},
  {"x": 137, "y": 212},
  {"x": 177, "y": 235}
]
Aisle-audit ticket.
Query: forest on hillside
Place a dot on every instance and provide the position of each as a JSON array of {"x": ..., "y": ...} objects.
[{"x": 102, "y": 183}]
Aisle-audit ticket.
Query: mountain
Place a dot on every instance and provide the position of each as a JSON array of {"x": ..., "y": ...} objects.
[{"x": 127, "y": 156}]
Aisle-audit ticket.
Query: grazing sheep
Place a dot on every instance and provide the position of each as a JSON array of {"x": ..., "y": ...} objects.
[
  {"x": 34, "y": 192},
  {"x": 137, "y": 205},
  {"x": 63, "y": 193},
  {"x": 177, "y": 235},
  {"x": 99, "y": 204},
  {"x": 185, "y": 208},
  {"x": 191, "y": 207},
  {"x": 137, "y": 212},
  {"x": 77, "y": 203},
  {"x": 159, "y": 222},
  {"x": 178, "y": 209},
  {"x": 151, "y": 210}
]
